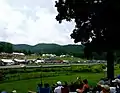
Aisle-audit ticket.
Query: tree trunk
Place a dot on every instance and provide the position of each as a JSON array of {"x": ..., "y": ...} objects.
[{"x": 110, "y": 65}]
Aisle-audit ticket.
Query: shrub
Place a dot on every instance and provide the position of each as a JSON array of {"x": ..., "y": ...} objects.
[
  {"x": 96, "y": 68},
  {"x": 117, "y": 67},
  {"x": 1, "y": 76}
]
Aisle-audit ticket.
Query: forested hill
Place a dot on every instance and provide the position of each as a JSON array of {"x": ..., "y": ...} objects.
[
  {"x": 51, "y": 48},
  {"x": 43, "y": 48}
]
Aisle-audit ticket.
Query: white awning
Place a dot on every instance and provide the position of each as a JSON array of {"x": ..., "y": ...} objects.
[
  {"x": 7, "y": 60},
  {"x": 18, "y": 60}
]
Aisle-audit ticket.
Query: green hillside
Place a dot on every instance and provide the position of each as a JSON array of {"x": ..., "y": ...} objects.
[
  {"x": 50, "y": 48},
  {"x": 73, "y": 48},
  {"x": 42, "y": 48},
  {"x": 22, "y": 47},
  {"x": 46, "y": 48}
]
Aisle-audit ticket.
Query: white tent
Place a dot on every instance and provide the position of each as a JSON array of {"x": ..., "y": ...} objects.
[
  {"x": 21, "y": 54},
  {"x": 18, "y": 60},
  {"x": 39, "y": 61},
  {"x": 8, "y": 61}
]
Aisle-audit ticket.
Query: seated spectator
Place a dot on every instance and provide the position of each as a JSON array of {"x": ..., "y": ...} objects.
[
  {"x": 46, "y": 85},
  {"x": 80, "y": 90},
  {"x": 85, "y": 86},
  {"x": 53, "y": 87},
  {"x": 91, "y": 89},
  {"x": 58, "y": 88},
  {"x": 105, "y": 89},
  {"x": 98, "y": 87},
  {"x": 118, "y": 87},
  {"x": 72, "y": 87},
  {"x": 46, "y": 88},
  {"x": 113, "y": 90},
  {"x": 101, "y": 82},
  {"x": 65, "y": 88},
  {"x": 39, "y": 87},
  {"x": 76, "y": 84},
  {"x": 117, "y": 84}
]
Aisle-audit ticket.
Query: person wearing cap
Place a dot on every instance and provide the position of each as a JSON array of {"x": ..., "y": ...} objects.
[
  {"x": 105, "y": 89},
  {"x": 14, "y": 91},
  {"x": 98, "y": 86},
  {"x": 101, "y": 82},
  {"x": 58, "y": 88}
]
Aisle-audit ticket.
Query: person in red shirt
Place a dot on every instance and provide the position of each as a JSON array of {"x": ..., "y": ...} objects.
[{"x": 85, "y": 86}]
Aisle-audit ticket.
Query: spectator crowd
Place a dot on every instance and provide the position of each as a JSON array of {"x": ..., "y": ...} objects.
[{"x": 79, "y": 86}]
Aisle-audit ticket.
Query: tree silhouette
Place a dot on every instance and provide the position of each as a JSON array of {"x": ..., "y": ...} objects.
[{"x": 97, "y": 20}]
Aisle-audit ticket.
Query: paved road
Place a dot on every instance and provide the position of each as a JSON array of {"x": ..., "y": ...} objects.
[{"x": 44, "y": 66}]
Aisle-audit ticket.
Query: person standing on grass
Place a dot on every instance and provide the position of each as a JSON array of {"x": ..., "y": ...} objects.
[{"x": 58, "y": 88}]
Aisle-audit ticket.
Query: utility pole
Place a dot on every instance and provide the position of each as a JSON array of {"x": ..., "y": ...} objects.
[
  {"x": 41, "y": 75},
  {"x": 41, "y": 66}
]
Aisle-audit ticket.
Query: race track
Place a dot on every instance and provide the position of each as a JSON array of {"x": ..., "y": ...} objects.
[{"x": 44, "y": 66}]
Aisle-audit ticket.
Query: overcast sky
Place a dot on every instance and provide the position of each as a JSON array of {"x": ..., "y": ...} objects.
[{"x": 32, "y": 22}]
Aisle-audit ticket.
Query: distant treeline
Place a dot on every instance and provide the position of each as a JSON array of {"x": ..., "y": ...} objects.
[
  {"x": 75, "y": 50},
  {"x": 9, "y": 48},
  {"x": 6, "y": 47}
]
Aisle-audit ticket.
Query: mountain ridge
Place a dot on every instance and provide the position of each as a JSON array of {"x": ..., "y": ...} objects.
[{"x": 49, "y": 48}]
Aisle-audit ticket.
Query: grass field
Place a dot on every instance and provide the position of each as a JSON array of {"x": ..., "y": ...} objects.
[{"x": 22, "y": 86}]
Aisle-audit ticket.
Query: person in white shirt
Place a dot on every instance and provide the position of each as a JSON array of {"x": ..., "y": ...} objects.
[
  {"x": 113, "y": 90},
  {"x": 58, "y": 88}
]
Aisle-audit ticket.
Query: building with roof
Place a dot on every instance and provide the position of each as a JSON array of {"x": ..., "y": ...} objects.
[{"x": 7, "y": 61}]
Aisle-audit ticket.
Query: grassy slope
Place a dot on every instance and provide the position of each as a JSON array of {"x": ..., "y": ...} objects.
[{"x": 24, "y": 85}]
